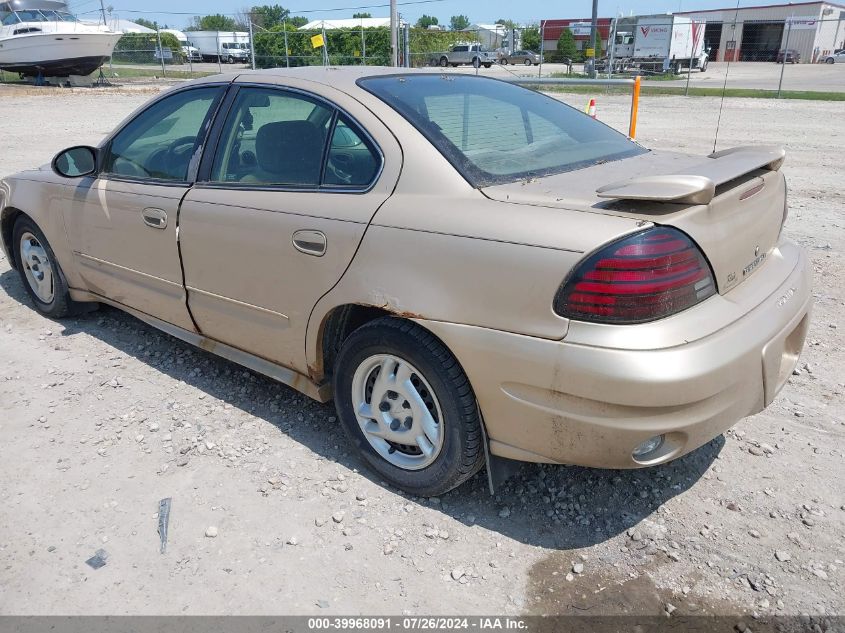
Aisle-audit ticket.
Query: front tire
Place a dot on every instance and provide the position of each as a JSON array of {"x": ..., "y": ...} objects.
[
  {"x": 40, "y": 273},
  {"x": 407, "y": 406},
  {"x": 444, "y": 61}
]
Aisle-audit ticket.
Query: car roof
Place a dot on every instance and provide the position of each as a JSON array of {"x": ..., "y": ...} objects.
[{"x": 343, "y": 78}]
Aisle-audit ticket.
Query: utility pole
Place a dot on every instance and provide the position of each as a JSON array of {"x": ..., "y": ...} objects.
[
  {"x": 593, "y": 30},
  {"x": 251, "y": 42},
  {"x": 394, "y": 34}
]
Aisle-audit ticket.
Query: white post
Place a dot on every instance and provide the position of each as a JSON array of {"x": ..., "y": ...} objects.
[
  {"x": 285, "y": 31},
  {"x": 219, "y": 58},
  {"x": 542, "y": 49},
  {"x": 394, "y": 34},
  {"x": 785, "y": 48},
  {"x": 251, "y": 41},
  {"x": 160, "y": 51}
]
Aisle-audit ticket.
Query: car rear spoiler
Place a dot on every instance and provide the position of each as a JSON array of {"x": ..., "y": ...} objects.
[{"x": 697, "y": 185}]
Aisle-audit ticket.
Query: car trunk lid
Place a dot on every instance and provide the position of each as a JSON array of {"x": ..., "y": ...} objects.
[{"x": 730, "y": 203}]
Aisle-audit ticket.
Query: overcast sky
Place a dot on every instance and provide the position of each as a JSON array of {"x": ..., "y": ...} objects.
[{"x": 477, "y": 10}]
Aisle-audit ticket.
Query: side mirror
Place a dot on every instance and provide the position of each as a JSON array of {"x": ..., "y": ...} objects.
[{"x": 76, "y": 162}]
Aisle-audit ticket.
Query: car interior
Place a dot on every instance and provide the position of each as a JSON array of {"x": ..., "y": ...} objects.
[
  {"x": 270, "y": 137},
  {"x": 277, "y": 138}
]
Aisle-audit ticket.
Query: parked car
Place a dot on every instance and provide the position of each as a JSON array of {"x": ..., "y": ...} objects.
[
  {"x": 837, "y": 57},
  {"x": 562, "y": 295},
  {"x": 788, "y": 55},
  {"x": 527, "y": 58},
  {"x": 473, "y": 54}
]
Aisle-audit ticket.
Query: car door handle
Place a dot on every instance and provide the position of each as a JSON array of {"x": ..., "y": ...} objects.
[
  {"x": 156, "y": 218},
  {"x": 310, "y": 242}
]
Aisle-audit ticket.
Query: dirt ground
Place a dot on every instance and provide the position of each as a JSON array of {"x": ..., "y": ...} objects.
[{"x": 102, "y": 416}]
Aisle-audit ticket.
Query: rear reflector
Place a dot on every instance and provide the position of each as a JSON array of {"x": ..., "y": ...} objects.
[{"x": 646, "y": 276}]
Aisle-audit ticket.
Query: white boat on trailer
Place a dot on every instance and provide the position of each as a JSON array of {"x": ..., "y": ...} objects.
[{"x": 43, "y": 38}]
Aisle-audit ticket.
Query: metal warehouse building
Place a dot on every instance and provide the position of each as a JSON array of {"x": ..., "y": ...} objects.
[
  {"x": 752, "y": 34},
  {"x": 550, "y": 31}
]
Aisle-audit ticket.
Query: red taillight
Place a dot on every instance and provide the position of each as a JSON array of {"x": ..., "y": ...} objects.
[{"x": 641, "y": 278}]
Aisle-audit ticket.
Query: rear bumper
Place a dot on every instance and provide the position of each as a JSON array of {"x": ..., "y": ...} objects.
[{"x": 570, "y": 403}]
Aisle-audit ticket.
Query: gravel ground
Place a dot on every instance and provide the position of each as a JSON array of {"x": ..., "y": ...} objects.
[{"x": 103, "y": 416}]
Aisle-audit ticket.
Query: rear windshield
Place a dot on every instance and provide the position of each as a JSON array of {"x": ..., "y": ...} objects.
[{"x": 495, "y": 132}]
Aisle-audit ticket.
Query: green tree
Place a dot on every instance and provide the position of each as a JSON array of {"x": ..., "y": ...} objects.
[
  {"x": 531, "y": 38},
  {"x": 356, "y": 16},
  {"x": 509, "y": 24},
  {"x": 216, "y": 22},
  {"x": 458, "y": 22},
  {"x": 267, "y": 16},
  {"x": 147, "y": 23},
  {"x": 298, "y": 21},
  {"x": 140, "y": 48},
  {"x": 426, "y": 21},
  {"x": 566, "y": 47}
]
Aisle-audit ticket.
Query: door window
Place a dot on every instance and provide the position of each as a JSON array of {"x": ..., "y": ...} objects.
[
  {"x": 161, "y": 141},
  {"x": 272, "y": 137},
  {"x": 276, "y": 137}
]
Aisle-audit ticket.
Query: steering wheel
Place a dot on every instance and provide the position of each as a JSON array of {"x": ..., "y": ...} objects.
[
  {"x": 178, "y": 153},
  {"x": 170, "y": 161}
]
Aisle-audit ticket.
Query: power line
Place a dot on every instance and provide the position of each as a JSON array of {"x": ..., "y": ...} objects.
[{"x": 292, "y": 11}]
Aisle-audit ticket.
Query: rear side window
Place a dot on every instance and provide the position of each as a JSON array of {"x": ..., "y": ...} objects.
[
  {"x": 351, "y": 161},
  {"x": 495, "y": 132}
]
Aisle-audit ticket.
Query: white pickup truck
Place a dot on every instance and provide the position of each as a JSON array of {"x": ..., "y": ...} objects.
[{"x": 473, "y": 54}]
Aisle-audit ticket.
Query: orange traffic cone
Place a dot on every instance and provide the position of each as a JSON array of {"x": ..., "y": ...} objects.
[{"x": 591, "y": 108}]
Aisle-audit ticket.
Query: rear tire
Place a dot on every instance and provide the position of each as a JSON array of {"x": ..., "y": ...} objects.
[
  {"x": 444, "y": 61},
  {"x": 40, "y": 273},
  {"x": 384, "y": 416},
  {"x": 830, "y": 60}
]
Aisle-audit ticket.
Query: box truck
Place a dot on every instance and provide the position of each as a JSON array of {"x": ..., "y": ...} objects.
[
  {"x": 189, "y": 51},
  {"x": 230, "y": 47},
  {"x": 658, "y": 43}
]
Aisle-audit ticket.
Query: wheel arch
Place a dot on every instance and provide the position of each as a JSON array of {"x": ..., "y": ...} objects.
[
  {"x": 8, "y": 217},
  {"x": 335, "y": 327}
]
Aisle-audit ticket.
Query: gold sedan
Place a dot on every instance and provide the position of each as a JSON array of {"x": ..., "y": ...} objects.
[{"x": 473, "y": 271}]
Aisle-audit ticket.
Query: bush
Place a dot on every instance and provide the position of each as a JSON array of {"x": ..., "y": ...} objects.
[
  {"x": 144, "y": 46},
  {"x": 566, "y": 47},
  {"x": 344, "y": 46}
]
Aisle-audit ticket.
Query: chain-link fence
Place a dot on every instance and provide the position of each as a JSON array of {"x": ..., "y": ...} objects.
[{"x": 690, "y": 53}]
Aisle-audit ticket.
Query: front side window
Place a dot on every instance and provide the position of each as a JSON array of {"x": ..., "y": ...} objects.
[
  {"x": 161, "y": 141},
  {"x": 494, "y": 132},
  {"x": 276, "y": 137}
]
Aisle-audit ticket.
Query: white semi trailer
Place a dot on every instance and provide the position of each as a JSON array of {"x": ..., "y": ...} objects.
[
  {"x": 658, "y": 43},
  {"x": 230, "y": 47}
]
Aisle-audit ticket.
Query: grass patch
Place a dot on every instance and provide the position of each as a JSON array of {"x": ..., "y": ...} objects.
[
  {"x": 741, "y": 93},
  {"x": 122, "y": 72}
]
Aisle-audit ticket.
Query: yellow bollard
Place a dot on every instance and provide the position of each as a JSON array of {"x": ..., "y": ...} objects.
[{"x": 635, "y": 105}]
